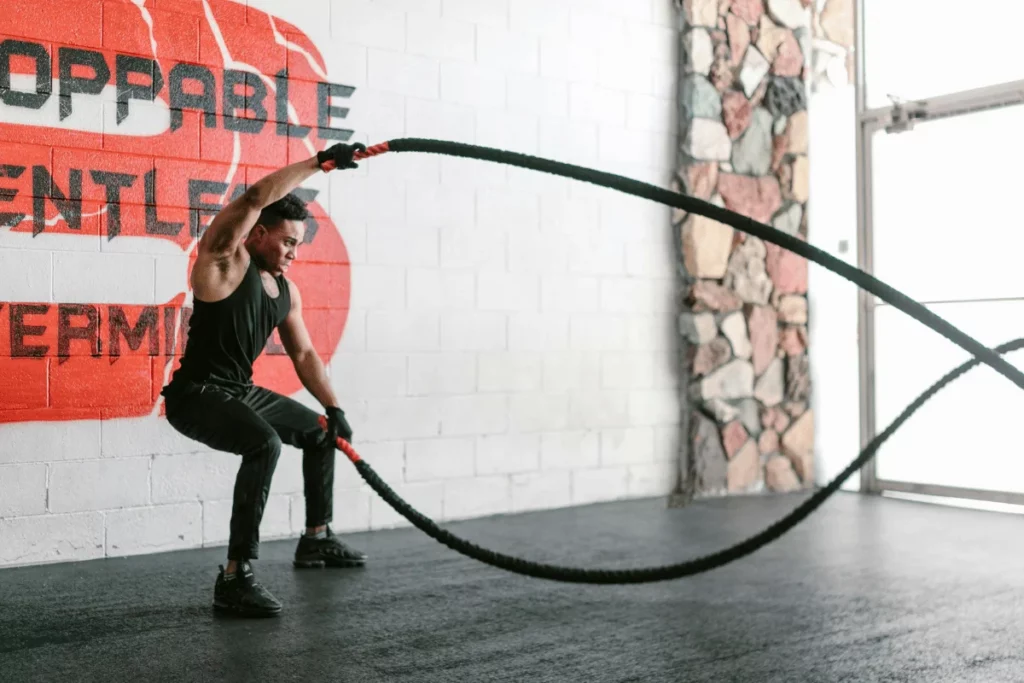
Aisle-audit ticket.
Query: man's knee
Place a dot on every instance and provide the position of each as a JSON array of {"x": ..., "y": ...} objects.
[{"x": 267, "y": 446}]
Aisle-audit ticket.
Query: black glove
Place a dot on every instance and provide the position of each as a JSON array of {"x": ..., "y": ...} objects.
[
  {"x": 339, "y": 156},
  {"x": 337, "y": 425}
]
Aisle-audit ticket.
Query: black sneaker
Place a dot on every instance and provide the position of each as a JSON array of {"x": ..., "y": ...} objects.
[
  {"x": 326, "y": 552},
  {"x": 243, "y": 595}
]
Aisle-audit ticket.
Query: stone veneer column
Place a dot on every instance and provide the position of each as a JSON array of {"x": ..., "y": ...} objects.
[{"x": 743, "y": 119}]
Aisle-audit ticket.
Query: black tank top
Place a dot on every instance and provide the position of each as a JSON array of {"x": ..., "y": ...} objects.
[{"x": 226, "y": 337}]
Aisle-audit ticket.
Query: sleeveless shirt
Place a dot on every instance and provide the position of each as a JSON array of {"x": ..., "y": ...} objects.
[{"x": 226, "y": 337}]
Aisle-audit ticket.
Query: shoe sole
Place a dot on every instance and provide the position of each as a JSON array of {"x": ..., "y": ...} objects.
[
  {"x": 225, "y": 608},
  {"x": 321, "y": 564}
]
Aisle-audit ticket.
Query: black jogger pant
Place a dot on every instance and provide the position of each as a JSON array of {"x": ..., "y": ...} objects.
[{"x": 254, "y": 422}]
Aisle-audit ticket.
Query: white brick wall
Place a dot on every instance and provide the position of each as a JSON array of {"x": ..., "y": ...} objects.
[{"x": 510, "y": 344}]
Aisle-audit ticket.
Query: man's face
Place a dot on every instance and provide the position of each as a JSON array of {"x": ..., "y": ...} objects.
[{"x": 278, "y": 246}]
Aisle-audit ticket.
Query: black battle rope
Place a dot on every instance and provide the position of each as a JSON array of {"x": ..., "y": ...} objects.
[{"x": 980, "y": 353}]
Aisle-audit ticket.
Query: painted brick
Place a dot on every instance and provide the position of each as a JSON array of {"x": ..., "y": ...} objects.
[
  {"x": 471, "y": 84},
  {"x": 570, "y": 293},
  {"x": 440, "y": 289},
  {"x": 648, "y": 113},
  {"x": 354, "y": 337},
  {"x": 399, "y": 418},
  {"x": 649, "y": 259},
  {"x": 595, "y": 486},
  {"x": 368, "y": 24},
  {"x": 538, "y": 332},
  {"x": 652, "y": 479},
  {"x": 507, "y": 453},
  {"x": 463, "y": 415},
  {"x": 404, "y": 74},
  {"x": 505, "y": 209},
  {"x": 541, "y": 490},
  {"x": 27, "y": 275},
  {"x": 511, "y": 131},
  {"x": 598, "y": 409},
  {"x": 507, "y": 291},
  {"x": 627, "y": 370},
  {"x": 568, "y": 216},
  {"x": 433, "y": 459},
  {"x": 434, "y": 205},
  {"x": 534, "y": 251},
  {"x": 537, "y": 412},
  {"x": 22, "y": 490},
  {"x": 536, "y": 95},
  {"x": 432, "y": 374},
  {"x": 426, "y": 497},
  {"x": 476, "y": 497},
  {"x": 472, "y": 247},
  {"x": 473, "y": 173},
  {"x": 189, "y": 477},
  {"x": 368, "y": 375},
  {"x": 378, "y": 114},
  {"x": 160, "y": 528},
  {"x": 386, "y": 457},
  {"x": 439, "y": 120},
  {"x": 51, "y": 538},
  {"x": 654, "y": 407},
  {"x": 627, "y": 446},
  {"x": 99, "y": 484},
  {"x": 103, "y": 278},
  {"x": 510, "y": 371},
  {"x": 401, "y": 245},
  {"x": 543, "y": 17},
  {"x": 651, "y": 332},
  {"x": 596, "y": 332},
  {"x": 402, "y": 331},
  {"x": 476, "y": 331},
  {"x": 41, "y": 442},
  {"x": 216, "y": 520},
  {"x": 374, "y": 200},
  {"x": 351, "y": 510},
  {"x": 143, "y": 436},
  {"x": 509, "y": 51},
  {"x": 574, "y": 60},
  {"x": 666, "y": 443},
  {"x": 570, "y": 450},
  {"x": 597, "y": 104},
  {"x": 484, "y": 12},
  {"x": 448, "y": 39},
  {"x": 564, "y": 371},
  {"x": 378, "y": 287}
]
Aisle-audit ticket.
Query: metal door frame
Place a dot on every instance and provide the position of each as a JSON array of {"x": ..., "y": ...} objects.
[{"x": 900, "y": 117}]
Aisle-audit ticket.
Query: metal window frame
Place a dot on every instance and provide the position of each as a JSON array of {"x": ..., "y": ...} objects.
[{"x": 900, "y": 117}]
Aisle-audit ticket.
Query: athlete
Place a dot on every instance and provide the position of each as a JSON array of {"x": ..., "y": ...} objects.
[{"x": 241, "y": 295}]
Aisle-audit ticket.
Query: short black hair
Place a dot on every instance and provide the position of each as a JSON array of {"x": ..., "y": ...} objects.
[{"x": 289, "y": 207}]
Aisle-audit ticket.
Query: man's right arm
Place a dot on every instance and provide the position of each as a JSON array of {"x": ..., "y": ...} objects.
[{"x": 232, "y": 224}]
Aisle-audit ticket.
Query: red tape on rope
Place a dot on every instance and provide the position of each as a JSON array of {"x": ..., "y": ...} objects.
[{"x": 343, "y": 446}]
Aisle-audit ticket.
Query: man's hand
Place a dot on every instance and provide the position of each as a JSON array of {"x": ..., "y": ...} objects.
[
  {"x": 337, "y": 425},
  {"x": 339, "y": 156}
]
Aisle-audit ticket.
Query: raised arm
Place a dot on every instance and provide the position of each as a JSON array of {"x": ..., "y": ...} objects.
[{"x": 232, "y": 224}]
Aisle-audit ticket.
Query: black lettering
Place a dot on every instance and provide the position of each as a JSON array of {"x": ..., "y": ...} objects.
[
  {"x": 186, "y": 321},
  {"x": 19, "y": 330},
  {"x": 69, "y": 57},
  {"x": 326, "y": 110},
  {"x": 155, "y": 226},
  {"x": 114, "y": 182},
  {"x": 44, "y": 83},
  {"x": 170, "y": 313},
  {"x": 206, "y": 101},
  {"x": 7, "y": 194},
  {"x": 146, "y": 325},
  {"x": 127, "y": 64},
  {"x": 196, "y": 190},
  {"x": 66, "y": 332},
  {"x": 307, "y": 195},
  {"x": 281, "y": 101},
  {"x": 233, "y": 101},
  {"x": 45, "y": 187}
]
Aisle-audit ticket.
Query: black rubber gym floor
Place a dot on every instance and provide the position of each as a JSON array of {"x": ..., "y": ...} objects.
[{"x": 866, "y": 589}]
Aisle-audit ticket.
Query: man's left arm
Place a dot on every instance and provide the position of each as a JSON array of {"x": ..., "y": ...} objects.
[{"x": 308, "y": 366}]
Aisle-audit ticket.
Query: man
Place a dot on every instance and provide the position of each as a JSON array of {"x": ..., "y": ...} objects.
[{"x": 241, "y": 295}]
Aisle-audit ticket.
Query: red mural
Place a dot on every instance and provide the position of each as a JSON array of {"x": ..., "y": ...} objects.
[{"x": 124, "y": 119}]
